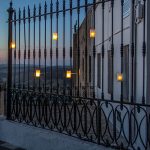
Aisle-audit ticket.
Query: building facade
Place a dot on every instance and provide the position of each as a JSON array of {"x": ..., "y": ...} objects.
[
  {"x": 119, "y": 50},
  {"x": 82, "y": 59},
  {"x": 90, "y": 74}
]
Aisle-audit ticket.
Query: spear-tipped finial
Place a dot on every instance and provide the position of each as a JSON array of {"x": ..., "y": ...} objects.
[
  {"x": 24, "y": 12},
  {"x": 11, "y": 3},
  {"x": 45, "y": 6},
  {"x": 39, "y": 8},
  {"x": 34, "y": 12},
  {"x": 51, "y": 6},
  {"x": 28, "y": 11},
  {"x": 10, "y": 10},
  {"x": 57, "y": 5},
  {"x": 19, "y": 13}
]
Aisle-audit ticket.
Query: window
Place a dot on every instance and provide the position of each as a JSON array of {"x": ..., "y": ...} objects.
[
  {"x": 126, "y": 72},
  {"x": 99, "y": 70},
  {"x": 83, "y": 68},
  {"x": 126, "y": 8},
  {"x": 109, "y": 72},
  {"x": 89, "y": 68}
]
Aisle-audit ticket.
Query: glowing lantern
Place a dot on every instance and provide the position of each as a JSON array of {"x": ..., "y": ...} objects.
[
  {"x": 13, "y": 45},
  {"x": 92, "y": 33},
  {"x": 55, "y": 36},
  {"x": 119, "y": 77},
  {"x": 38, "y": 73},
  {"x": 68, "y": 74}
]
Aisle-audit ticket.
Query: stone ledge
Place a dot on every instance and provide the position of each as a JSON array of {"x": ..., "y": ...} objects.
[{"x": 32, "y": 138}]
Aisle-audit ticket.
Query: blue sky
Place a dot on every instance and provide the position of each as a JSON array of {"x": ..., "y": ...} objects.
[{"x": 4, "y": 4}]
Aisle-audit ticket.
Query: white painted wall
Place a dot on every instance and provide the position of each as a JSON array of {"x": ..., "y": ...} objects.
[
  {"x": 117, "y": 43},
  {"x": 117, "y": 59}
]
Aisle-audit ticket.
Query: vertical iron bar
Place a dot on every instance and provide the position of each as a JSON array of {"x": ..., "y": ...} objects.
[
  {"x": 112, "y": 49},
  {"x": 112, "y": 59},
  {"x": 78, "y": 38},
  {"x": 132, "y": 54},
  {"x": 9, "y": 77},
  {"x": 15, "y": 51},
  {"x": 57, "y": 71},
  {"x": 28, "y": 48},
  {"x": 121, "y": 49},
  {"x": 71, "y": 44},
  {"x": 64, "y": 50},
  {"x": 144, "y": 51},
  {"x": 45, "y": 51},
  {"x": 64, "y": 53},
  {"x": 75, "y": 117},
  {"x": 51, "y": 50},
  {"x": 57, "y": 67},
  {"x": 98, "y": 120},
  {"x": 103, "y": 7},
  {"x": 45, "y": 56},
  {"x": 34, "y": 19},
  {"x": 30, "y": 104},
  {"x": 19, "y": 52},
  {"x": 86, "y": 43},
  {"x": 102, "y": 93},
  {"x": 40, "y": 45},
  {"x": 86, "y": 36},
  {"x": 24, "y": 22},
  {"x": 24, "y": 68}
]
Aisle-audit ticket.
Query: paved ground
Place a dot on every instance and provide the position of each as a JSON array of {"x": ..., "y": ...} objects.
[
  {"x": 7, "y": 146},
  {"x": 33, "y": 138}
]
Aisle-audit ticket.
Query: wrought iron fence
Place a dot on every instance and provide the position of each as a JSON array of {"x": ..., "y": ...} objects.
[{"x": 38, "y": 92}]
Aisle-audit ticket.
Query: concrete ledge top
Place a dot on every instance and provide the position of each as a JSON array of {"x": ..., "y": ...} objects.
[{"x": 32, "y": 138}]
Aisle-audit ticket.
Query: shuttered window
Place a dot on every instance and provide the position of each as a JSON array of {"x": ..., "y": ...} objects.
[
  {"x": 99, "y": 70},
  {"x": 126, "y": 72},
  {"x": 83, "y": 68},
  {"x": 89, "y": 68},
  {"x": 109, "y": 72}
]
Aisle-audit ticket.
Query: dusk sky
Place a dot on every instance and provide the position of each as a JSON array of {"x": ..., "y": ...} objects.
[{"x": 4, "y": 4}]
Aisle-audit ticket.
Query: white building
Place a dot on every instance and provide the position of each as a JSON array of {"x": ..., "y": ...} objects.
[{"x": 134, "y": 77}]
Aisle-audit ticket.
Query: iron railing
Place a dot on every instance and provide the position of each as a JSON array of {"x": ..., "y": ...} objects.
[{"x": 59, "y": 104}]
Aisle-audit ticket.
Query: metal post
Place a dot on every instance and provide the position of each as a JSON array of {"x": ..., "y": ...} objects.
[
  {"x": 94, "y": 48},
  {"x": 112, "y": 49},
  {"x": 9, "y": 76},
  {"x": 71, "y": 82},
  {"x": 144, "y": 49},
  {"x": 121, "y": 49},
  {"x": 103, "y": 48}
]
